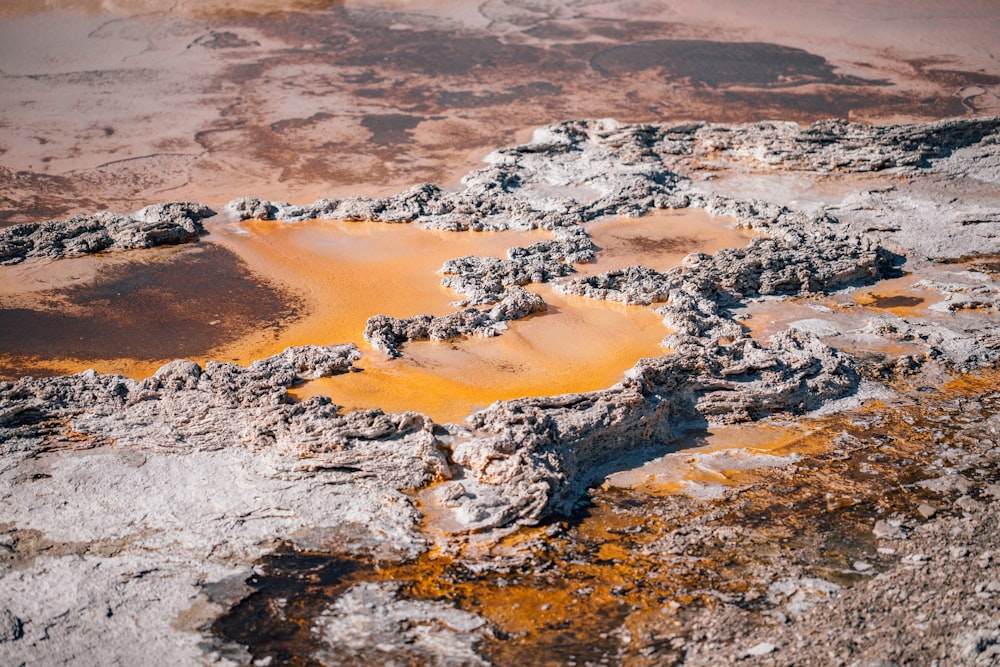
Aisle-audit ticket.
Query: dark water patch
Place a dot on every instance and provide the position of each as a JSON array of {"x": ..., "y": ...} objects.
[
  {"x": 290, "y": 588},
  {"x": 952, "y": 77},
  {"x": 632, "y": 31},
  {"x": 960, "y": 78},
  {"x": 450, "y": 54},
  {"x": 390, "y": 128},
  {"x": 222, "y": 40},
  {"x": 715, "y": 64},
  {"x": 558, "y": 31},
  {"x": 296, "y": 123},
  {"x": 376, "y": 40},
  {"x": 897, "y": 301},
  {"x": 646, "y": 244},
  {"x": 98, "y": 77},
  {"x": 182, "y": 306},
  {"x": 370, "y": 93},
  {"x": 246, "y": 72}
]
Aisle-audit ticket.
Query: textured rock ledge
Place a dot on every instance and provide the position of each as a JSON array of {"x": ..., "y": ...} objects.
[
  {"x": 628, "y": 169},
  {"x": 157, "y": 225},
  {"x": 186, "y": 408},
  {"x": 543, "y": 453},
  {"x": 388, "y": 333}
]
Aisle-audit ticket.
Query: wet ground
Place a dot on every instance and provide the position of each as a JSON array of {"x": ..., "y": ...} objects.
[
  {"x": 628, "y": 580},
  {"x": 118, "y": 105},
  {"x": 130, "y": 316}
]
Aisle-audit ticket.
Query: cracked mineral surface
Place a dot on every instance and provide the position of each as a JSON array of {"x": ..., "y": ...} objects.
[{"x": 801, "y": 468}]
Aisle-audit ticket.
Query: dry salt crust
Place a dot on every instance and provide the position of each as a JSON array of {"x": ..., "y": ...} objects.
[{"x": 128, "y": 505}]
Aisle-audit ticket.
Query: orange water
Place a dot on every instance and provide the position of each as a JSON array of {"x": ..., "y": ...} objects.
[
  {"x": 342, "y": 273},
  {"x": 578, "y": 345},
  {"x": 350, "y": 271},
  {"x": 660, "y": 240}
]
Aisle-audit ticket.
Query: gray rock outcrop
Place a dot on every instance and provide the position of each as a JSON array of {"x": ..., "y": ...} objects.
[
  {"x": 157, "y": 225},
  {"x": 186, "y": 408},
  {"x": 484, "y": 280},
  {"x": 543, "y": 453},
  {"x": 389, "y": 333}
]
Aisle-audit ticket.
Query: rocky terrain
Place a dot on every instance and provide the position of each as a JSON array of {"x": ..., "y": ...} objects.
[
  {"x": 138, "y": 513},
  {"x": 157, "y": 225}
]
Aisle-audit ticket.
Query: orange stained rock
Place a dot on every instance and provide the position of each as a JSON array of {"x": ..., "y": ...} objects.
[
  {"x": 634, "y": 566},
  {"x": 757, "y": 447},
  {"x": 581, "y": 592}
]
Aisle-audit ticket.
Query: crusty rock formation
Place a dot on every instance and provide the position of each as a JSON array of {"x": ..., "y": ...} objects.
[
  {"x": 368, "y": 624},
  {"x": 185, "y": 408},
  {"x": 768, "y": 267},
  {"x": 484, "y": 280},
  {"x": 388, "y": 333},
  {"x": 543, "y": 453},
  {"x": 628, "y": 169},
  {"x": 157, "y": 225},
  {"x": 837, "y": 145}
]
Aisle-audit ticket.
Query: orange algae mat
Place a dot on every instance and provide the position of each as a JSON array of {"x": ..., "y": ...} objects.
[{"x": 349, "y": 271}]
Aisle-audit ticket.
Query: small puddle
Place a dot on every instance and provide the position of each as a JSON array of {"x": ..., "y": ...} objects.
[
  {"x": 900, "y": 297},
  {"x": 561, "y": 351},
  {"x": 707, "y": 460},
  {"x": 288, "y": 588},
  {"x": 660, "y": 240},
  {"x": 891, "y": 302},
  {"x": 846, "y": 319}
]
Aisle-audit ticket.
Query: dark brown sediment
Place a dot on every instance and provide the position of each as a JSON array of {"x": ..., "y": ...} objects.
[{"x": 139, "y": 315}]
